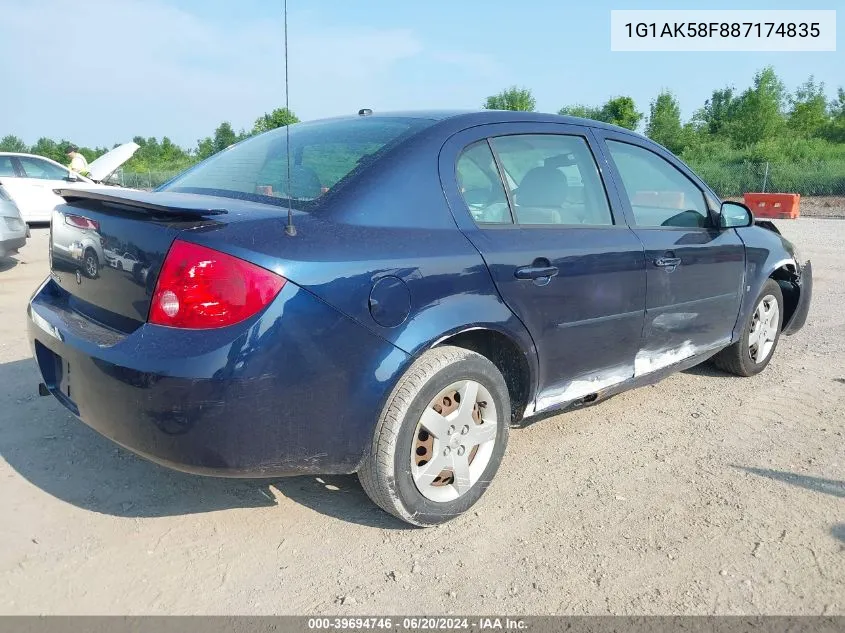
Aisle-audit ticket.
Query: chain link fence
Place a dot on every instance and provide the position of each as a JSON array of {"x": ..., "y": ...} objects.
[
  {"x": 824, "y": 178},
  {"x": 820, "y": 183},
  {"x": 144, "y": 180}
]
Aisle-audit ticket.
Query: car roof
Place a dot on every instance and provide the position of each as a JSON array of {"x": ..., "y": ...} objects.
[
  {"x": 481, "y": 117},
  {"x": 24, "y": 154}
]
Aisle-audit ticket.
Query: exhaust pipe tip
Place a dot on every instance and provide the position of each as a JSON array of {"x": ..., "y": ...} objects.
[{"x": 43, "y": 390}]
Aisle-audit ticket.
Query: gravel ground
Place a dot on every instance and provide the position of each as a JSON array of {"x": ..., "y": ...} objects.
[
  {"x": 703, "y": 494},
  {"x": 822, "y": 207}
]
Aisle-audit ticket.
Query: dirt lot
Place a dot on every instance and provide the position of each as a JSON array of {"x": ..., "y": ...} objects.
[{"x": 703, "y": 494}]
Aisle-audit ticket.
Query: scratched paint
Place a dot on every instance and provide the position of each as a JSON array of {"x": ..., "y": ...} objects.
[
  {"x": 583, "y": 386},
  {"x": 648, "y": 361}
]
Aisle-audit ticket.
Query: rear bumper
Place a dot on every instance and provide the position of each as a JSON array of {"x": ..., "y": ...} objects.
[
  {"x": 297, "y": 390},
  {"x": 805, "y": 296},
  {"x": 10, "y": 246}
]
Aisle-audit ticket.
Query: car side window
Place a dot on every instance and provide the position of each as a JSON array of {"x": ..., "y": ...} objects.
[
  {"x": 556, "y": 177},
  {"x": 659, "y": 193},
  {"x": 7, "y": 169},
  {"x": 41, "y": 169},
  {"x": 480, "y": 185}
]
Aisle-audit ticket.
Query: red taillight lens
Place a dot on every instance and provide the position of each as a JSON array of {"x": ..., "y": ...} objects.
[
  {"x": 202, "y": 288},
  {"x": 82, "y": 222}
]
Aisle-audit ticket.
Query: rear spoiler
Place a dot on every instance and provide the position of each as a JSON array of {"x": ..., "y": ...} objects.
[{"x": 131, "y": 200}]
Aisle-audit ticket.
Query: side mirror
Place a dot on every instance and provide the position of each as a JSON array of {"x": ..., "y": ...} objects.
[
  {"x": 71, "y": 178},
  {"x": 735, "y": 215}
]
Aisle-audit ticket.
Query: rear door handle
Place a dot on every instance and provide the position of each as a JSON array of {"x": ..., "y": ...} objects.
[{"x": 536, "y": 272}]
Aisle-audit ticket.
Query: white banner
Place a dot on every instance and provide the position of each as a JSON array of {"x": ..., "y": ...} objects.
[{"x": 722, "y": 30}]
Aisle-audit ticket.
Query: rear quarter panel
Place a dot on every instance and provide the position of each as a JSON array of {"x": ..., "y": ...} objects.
[{"x": 393, "y": 222}]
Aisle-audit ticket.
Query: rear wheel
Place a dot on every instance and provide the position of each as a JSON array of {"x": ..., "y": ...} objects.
[
  {"x": 753, "y": 351},
  {"x": 440, "y": 438}
]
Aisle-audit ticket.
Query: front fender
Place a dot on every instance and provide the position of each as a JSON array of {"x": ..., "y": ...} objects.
[{"x": 765, "y": 253}]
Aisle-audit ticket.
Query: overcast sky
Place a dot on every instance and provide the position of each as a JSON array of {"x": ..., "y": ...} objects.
[{"x": 99, "y": 72}]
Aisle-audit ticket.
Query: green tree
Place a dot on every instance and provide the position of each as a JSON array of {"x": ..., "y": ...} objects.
[
  {"x": 11, "y": 143},
  {"x": 272, "y": 120},
  {"x": 205, "y": 148},
  {"x": 583, "y": 111},
  {"x": 759, "y": 112},
  {"x": 48, "y": 148},
  {"x": 513, "y": 98},
  {"x": 621, "y": 111},
  {"x": 808, "y": 115},
  {"x": 664, "y": 123},
  {"x": 835, "y": 130},
  {"x": 224, "y": 136},
  {"x": 153, "y": 155},
  {"x": 718, "y": 110}
]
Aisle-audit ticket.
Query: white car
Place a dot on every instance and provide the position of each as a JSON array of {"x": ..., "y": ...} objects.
[
  {"x": 13, "y": 230},
  {"x": 30, "y": 180},
  {"x": 77, "y": 240},
  {"x": 125, "y": 261}
]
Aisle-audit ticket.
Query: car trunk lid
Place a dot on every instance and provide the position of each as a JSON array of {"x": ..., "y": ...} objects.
[{"x": 107, "y": 247}]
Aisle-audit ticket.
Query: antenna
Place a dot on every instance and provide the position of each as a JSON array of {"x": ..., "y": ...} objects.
[{"x": 290, "y": 229}]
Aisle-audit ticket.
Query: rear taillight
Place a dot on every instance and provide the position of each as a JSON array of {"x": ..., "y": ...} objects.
[
  {"x": 202, "y": 288},
  {"x": 81, "y": 222}
]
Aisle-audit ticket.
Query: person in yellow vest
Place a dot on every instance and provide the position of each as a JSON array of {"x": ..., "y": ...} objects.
[{"x": 78, "y": 164}]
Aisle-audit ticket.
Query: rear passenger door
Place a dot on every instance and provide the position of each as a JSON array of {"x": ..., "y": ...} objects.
[
  {"x": 561, "y": 257},
  {"x": 695, "y": 269}
]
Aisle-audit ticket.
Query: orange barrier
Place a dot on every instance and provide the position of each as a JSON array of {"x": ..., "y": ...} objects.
[{"x": 781, "y": 206}]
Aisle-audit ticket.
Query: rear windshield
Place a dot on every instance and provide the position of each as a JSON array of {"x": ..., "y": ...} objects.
[{"x": 323, "y": 155}]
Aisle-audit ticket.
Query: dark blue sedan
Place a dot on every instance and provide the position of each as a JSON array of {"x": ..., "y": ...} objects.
[{"x": 387, "y": 294}]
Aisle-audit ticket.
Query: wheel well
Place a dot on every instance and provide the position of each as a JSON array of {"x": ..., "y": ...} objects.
[
  {"x": 506, "y": 356},
  {"x": 786, "y": 277}
]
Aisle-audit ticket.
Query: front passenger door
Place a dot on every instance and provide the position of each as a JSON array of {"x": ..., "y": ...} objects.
[{"x": 695, "y": 270}]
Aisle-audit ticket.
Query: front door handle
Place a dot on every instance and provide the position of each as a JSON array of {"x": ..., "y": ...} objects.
[
  {"x": 536, "y": 272},
  {"x": 668, "y": 262}
]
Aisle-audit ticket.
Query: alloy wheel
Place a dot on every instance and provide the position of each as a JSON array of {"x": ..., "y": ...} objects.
[
  {"x": 764, "y": 329},
  {"x": 454, "y": 441}
]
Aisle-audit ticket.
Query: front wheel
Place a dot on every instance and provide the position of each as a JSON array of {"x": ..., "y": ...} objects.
[
  {"x": 440, "y": 438},
  {"x": 752, "y": 352}
]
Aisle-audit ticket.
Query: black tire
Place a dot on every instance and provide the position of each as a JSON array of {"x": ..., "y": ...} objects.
[
  {"x": 90, "y": 263},
  {"x": 386, "y": 471},
  {"x": 736, "y": 359}
]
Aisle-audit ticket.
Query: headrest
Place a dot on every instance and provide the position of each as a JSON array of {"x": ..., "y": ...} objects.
[{"x": 542, "y": 187}]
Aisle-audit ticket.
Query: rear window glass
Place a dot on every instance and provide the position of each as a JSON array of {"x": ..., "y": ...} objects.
[{"x": 323, "y": 155}]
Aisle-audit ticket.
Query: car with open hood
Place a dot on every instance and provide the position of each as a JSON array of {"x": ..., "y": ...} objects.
[
  {"x": 31, "y": 180},
  {"x": 386, "y": 294}
]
